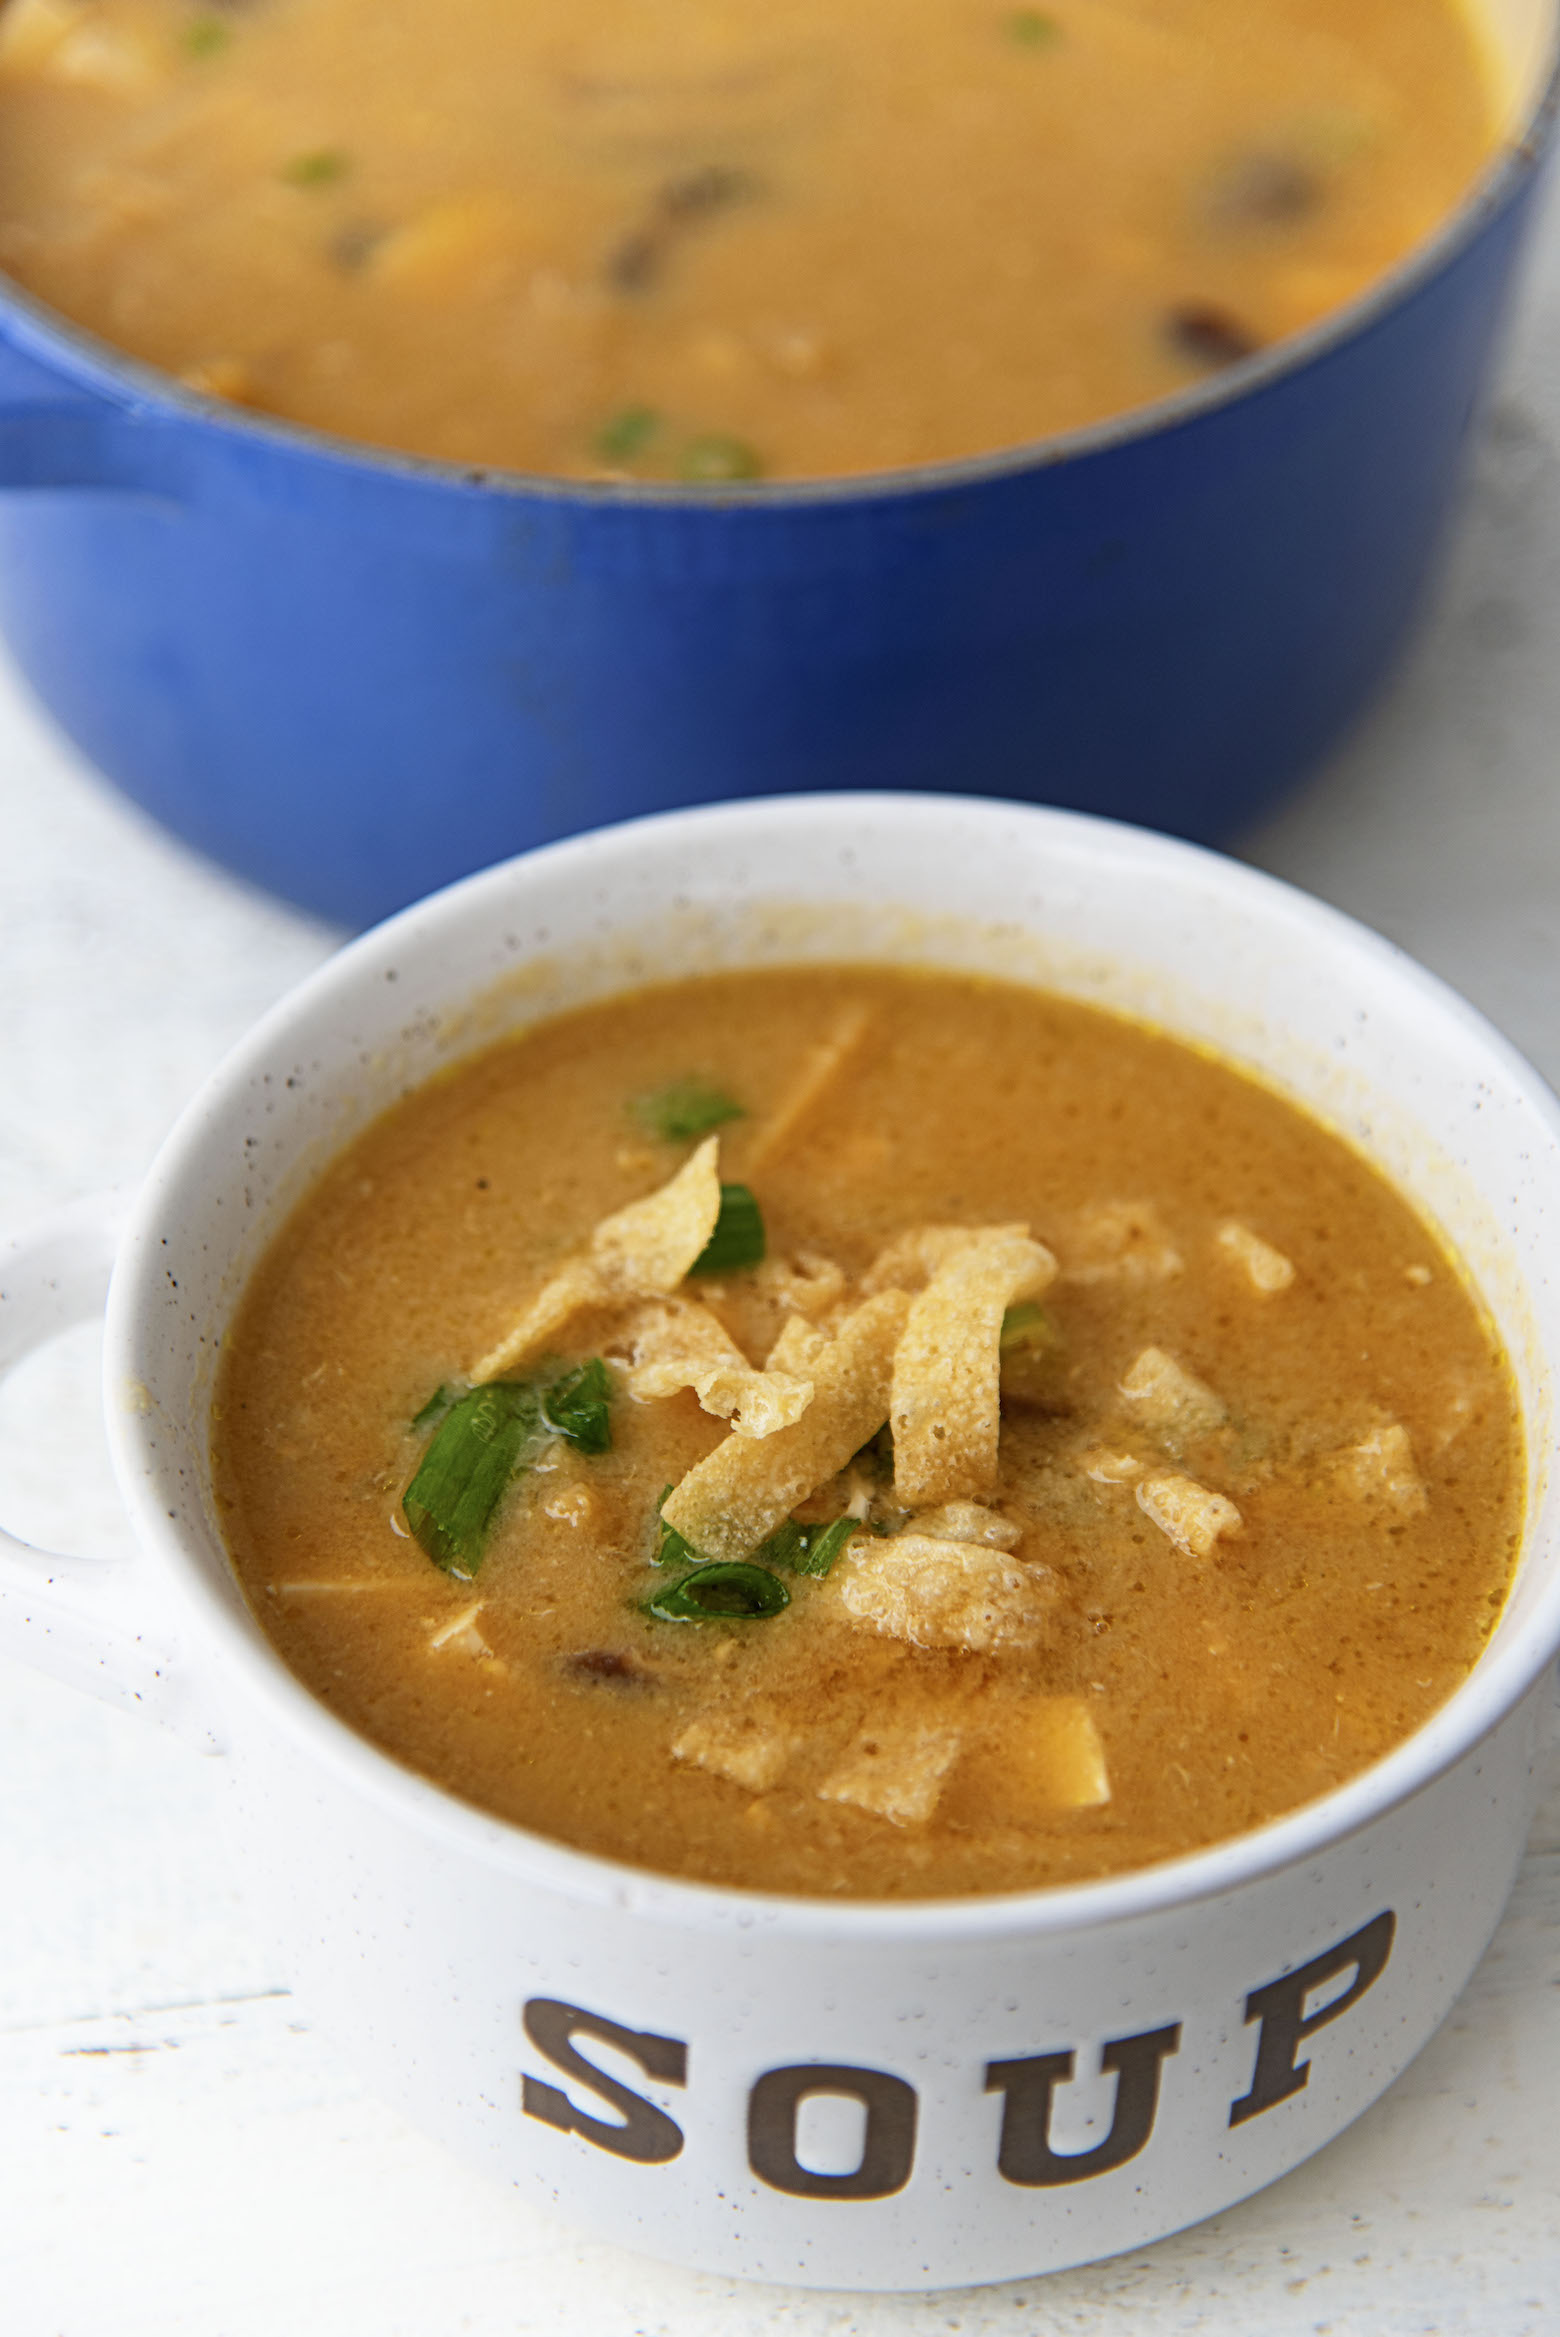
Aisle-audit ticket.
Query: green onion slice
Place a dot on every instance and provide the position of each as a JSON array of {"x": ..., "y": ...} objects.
[
  {"x": 714, "y": 459},
  {"x": 807, "y": 1549},
  {"x": 437, "y": 1405},
  {"x": 738, "y": 1239},
  {"x": 205, "y": 36},
  {"x": 733, "y": 1593},
  {"x": 481, "y": 1442},
  {"x": 1028, "y": 1325},
  {"x": 626, "y": 433},
  {"x": 322, "y": 168},
  {"x": 1032, "y": 28},
  {"x": 576, "y": 1407},
  {"x": 670, "y": 1548},
  {"x": 684, "y": 1109}
]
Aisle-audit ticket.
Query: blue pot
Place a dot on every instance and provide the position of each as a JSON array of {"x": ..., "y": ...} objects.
[{"x": 353, "y": 676}]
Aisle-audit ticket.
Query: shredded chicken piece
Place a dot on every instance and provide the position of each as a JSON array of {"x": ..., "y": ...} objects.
[
  {"x": 1267, "y": 1270},
  {"x": 1169, "y": 1398},
  {"x": 935, "y": 1593},
  {"x": 1381, "y": 1469},
  {"x": 1187, "y": 1513},
  {"x": 895, "y": 1772},
  {"x": 1120, "y": 1241},
  {"x": 820, "y": 1069},
  {"x": 461, "y": 1631}
]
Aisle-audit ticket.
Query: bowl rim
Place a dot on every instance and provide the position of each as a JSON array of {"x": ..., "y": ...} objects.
[
  {"x": 50, "y": 336},
  {"x": 1482, "y": 1703}
]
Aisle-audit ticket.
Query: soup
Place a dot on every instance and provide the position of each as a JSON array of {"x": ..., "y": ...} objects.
[
  {"x": 866, "y": 1432},
  {"x": 703, "y": 242}
]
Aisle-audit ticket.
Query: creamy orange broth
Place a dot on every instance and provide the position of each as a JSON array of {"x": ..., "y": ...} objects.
[
  {"x": 705, "y": 241},
  {"x": 1138, "y": 1698}
]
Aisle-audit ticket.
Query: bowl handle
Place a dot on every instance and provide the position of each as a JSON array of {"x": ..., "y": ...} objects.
[{"x": 101, "y": 1624}]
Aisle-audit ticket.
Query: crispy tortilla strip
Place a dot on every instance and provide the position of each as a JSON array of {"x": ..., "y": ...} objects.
[
  {"x": 1120, "y": 1241},
  {"x": 895, "y": 1772},
  {"x": 750, "y": 1747},
  {"x": 820, "y": 1069},
  {"x": 934, "y": 1593},
  {"x": 967, "y": 1521},
  {"x": 681, "y": 1344},
  {"x": 642, "y": 1251},
  {"x": 808, "y": 1284},
  {"x": 914, "y": 1256},
  {"x": 1267, "y": 1270},
  {"x": 1187, "y": 1514},
  {"x": 798, "y": 1347},
  {"x": 1170, "y": 1399},
  {"x": 1380, "y": 1470},
  {"x": 734, "y": 1498},
  {"x": 946, "y": 1403}
]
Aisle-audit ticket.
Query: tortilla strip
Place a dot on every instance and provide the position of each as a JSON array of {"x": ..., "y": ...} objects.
[
  {"x": 895, "y": 1772},
  {"x": 1187, "y": 1514},
  {"x": 821, "y": 1067},
  {"x": 935, "y": 1593},
  {"x": 642, "y": 1251},
  {"x": 946, "y": 1403},
  {"x": 913, "y": 1257},
  {"x": 681, "y": 1344},
  {"x": 734, "y": 1498}
]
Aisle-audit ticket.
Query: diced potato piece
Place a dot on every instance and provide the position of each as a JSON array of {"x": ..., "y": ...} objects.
[
  {"x": 1052, "y": 1753},
  {"x": 1381, "y": 1470},
  {"x": 642, "y": 1251},
  {"x": 31, "y": 31},
  {"x": 1120, "y": 1241},
  {"x": 740, "y": 1492},
  {"x": 895, "y": 1772},
  {"x": 969, "y": 1521},
  {"x": 441, "y": 252},
  {"x": 1266, "y": 1269},
  {"x": 946, "y": 1404},
  {"x": 1187, "y": 1513},
  {"x": 1170, "y": 1399},
  {"x": 934, "y": 1593},
  {"x": 748, "y": 1747},
  {"x": 820, "y": 1070}
]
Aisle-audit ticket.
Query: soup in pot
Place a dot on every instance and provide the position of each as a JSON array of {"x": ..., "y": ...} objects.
[
  {"x": 701, "y": 241},
  {"x": 852, "y": 1431}
]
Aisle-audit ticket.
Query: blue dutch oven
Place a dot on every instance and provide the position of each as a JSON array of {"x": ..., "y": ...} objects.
[{"x": 352, "y": 676}]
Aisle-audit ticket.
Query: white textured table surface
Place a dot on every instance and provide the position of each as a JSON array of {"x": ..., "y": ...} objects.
[{"x": 180, "y": 2153}]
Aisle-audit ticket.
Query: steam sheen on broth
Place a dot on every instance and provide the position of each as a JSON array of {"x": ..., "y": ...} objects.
[
  {"x": 1069, "y": 1454},
  {"x": 698, "y": 241}
]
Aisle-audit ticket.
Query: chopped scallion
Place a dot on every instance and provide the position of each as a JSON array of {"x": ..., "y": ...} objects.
[
  {"x": 808, "y": 1549},
  {"x": 479, "y": 1445},
  {"x": 738, "y": 1239},
  {"x": 322, "y": 168},
  {"x": 626, "y": 433},
  {"x": 670, "y": 1548},
  {"x": 436, "y": 1407},
  {"x": 684, "y": 1109},
  {"x": 1032, "y": 28},
  {"x": 206, "y": 36},
  {"x": 1028, "y": 1325},
  {"x": 715, "y": 460},
  {"x": 730, "y": 1593},
  {"x": 576, "y": 1406}
]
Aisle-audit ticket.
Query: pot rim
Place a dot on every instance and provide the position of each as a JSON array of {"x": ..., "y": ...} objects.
[
  {"x": 51, "y": 336},
  {"x": 1500, "y": 1680}
]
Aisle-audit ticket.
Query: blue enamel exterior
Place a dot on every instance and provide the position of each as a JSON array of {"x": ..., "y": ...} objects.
[{"x": 353, "y": 677}]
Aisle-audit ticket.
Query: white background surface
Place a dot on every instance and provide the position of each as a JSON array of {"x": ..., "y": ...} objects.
[{"x": 180, "y": 2153}]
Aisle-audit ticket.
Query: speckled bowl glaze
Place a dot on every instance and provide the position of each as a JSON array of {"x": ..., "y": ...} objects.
[{"x": 855, "y": 2095}]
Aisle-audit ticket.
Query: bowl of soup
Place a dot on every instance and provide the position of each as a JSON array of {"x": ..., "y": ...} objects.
[
  {"x": 861, "y": 1490},
  {"x": 428, "y": 435}
]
